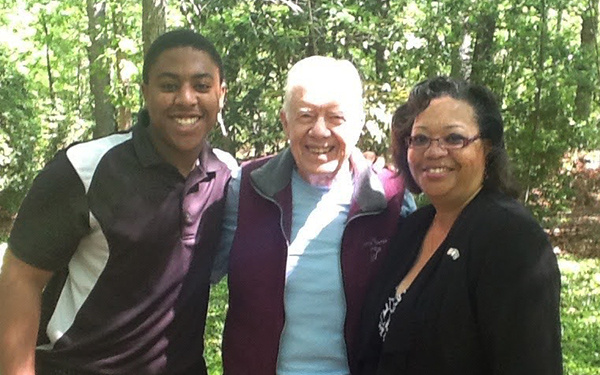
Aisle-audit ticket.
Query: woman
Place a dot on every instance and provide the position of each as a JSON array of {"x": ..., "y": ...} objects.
[{"x": 471, "y": 285}]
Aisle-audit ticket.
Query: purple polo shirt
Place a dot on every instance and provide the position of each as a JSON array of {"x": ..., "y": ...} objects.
[{"x": 131, "y": 243}]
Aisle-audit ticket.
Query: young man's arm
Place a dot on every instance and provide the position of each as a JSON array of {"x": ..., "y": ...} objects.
[{"x": 21, "y": 287}]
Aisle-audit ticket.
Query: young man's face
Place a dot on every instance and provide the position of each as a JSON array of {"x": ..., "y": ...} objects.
[{"x": 183, "y": 96}]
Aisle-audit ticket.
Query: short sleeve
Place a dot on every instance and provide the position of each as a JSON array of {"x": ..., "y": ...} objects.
[{"x": 52, "y": 218}]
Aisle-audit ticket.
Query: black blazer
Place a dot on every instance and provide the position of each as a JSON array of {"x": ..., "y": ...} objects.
[{"x": 494, "y": 309}]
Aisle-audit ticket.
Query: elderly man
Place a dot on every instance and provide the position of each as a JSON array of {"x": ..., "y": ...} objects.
[{"x": 305, "y": 231}]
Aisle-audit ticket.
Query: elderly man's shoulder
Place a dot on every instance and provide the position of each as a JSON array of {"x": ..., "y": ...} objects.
[{"x": 392, "y": 181}]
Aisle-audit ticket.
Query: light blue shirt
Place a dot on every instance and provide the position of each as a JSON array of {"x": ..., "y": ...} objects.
[{"x": 312, "y": 340}]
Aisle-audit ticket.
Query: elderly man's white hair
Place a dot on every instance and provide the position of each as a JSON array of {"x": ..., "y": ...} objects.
[{"x": 321, "y": 71}]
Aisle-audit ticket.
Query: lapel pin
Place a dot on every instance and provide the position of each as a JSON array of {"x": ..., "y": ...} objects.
[{"x": 454, "y": 253}]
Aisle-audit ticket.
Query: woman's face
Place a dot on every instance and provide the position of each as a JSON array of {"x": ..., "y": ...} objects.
[{"x": 449, "y": 177}]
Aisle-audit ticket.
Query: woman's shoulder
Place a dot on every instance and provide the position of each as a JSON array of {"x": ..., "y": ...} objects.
[
  {"x": 500, "y": 211},
  {"x": 504, "y": 223}
]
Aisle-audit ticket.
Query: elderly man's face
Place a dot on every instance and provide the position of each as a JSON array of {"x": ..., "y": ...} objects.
[{"x": 322, "y": 124}]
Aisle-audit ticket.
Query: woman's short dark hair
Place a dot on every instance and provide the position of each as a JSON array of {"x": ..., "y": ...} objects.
[
  {"x": 498, "y": 174},
  {"x": 180, "y": 38}
]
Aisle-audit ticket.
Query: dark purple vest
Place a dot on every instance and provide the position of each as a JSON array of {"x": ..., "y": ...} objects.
[{"x": 257, "y": 264}]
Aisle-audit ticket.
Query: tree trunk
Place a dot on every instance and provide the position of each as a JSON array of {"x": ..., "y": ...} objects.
[
  {"x": 540, "y": 62},
  {"x": 456, "y": 60},
  {"x": 484, "y": 43},
  {"x": 48, "y": 62},
  {"x": 536, "y": 118},
  {"x": 154, "y": 21},
  {"x": 312, "y": 37},
  {"x": 381, "y": 68},
  {"x": 124, "y": 114},
  {"x": 585, "y": 66},
  {"x": 99, "y": 72}
]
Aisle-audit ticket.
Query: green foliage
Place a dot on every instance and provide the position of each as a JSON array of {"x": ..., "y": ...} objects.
[
  {"x": 57, "y": 70},
  {"x": 125, "y": 52},
  {"x": 215, "y": 321},
  {"x": 44, "y": 70},
  {"x": 43, "y": 88},
  {"x": 255, "y": 79},
  {"x": 19, "y": 133},
  {"x": 580, "y": 315},
  {"x": 396, "y": 44}
]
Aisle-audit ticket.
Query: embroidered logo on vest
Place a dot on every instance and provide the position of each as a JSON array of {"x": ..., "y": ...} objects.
[{"x": 375, "y": 246}]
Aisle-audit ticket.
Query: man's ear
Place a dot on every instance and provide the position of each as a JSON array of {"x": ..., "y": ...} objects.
[
  {"x": 144, "y": 92},
  {"x": 223, "y": 95},
  {"x": 284, "y": 122}
]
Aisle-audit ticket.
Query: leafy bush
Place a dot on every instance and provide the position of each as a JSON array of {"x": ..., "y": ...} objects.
[
  {"x": 19, "y": 134},
  {"x": 580, "y": 315}
]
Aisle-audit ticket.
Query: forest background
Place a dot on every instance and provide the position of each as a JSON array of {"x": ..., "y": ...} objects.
[{"x": 70, "y": 71}]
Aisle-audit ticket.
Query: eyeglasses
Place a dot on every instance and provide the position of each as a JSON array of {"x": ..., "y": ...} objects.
[{"x": 450, "y": 142}]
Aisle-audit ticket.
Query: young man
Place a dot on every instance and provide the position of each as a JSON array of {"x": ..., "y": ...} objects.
[
  {"x": 306, "y": 230},
  {"x": 109, "y": 259}
]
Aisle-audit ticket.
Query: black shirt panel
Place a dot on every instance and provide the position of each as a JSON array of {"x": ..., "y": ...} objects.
[{"x": 52, "y": 218}]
